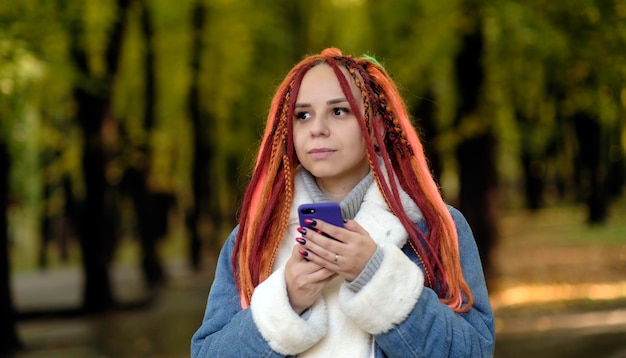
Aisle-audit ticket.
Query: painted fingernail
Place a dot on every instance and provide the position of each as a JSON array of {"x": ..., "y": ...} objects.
[
  {"x": 303, "y": 252},
  {"x": 302, "y": 230},
  {"x": 311, "y": 222},
  {"x": 301, "y": 240},
  {"x": 345, "y": 221}
]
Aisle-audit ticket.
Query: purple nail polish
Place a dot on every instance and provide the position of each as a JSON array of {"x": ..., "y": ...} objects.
[
  {"x": 301, "y": 240},
  {"x": 302, "y": 230},
  {"x": 304, "y": 253}
]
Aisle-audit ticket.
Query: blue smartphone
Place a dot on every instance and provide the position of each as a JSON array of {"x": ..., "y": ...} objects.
[{"x": 328, "y": 211}]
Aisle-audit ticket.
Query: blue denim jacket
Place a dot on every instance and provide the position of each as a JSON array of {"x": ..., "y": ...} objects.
[{"x": 432, "y": 329}]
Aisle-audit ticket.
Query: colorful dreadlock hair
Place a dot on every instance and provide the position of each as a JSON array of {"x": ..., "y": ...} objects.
[{"x": 388, "y": 134}]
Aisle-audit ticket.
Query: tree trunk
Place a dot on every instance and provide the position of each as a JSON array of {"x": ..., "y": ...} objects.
[
  {"x": 424, "y": 111},
  {"x": 475, "y": 153},
  {"x": 203, "y": 148},
  {"x": 532, "y": 161},
  {"x": 144, "y": 197},
  {"x": 93, "y": 108},
  {"x": 533, "y": 181},
  {"x": 97, "y": 294},
  {"x": 617, "y": 163},
  {"x": 478, "y": 196},
  {"x": 593, "y": 166},
  {"x": 8, "y": 335}
]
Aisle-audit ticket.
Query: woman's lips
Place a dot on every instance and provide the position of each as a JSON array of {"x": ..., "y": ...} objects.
[{"x": 321, "y": 153}]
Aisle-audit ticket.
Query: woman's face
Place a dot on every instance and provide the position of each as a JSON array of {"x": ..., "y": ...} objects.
[{"x": 326, "y": 134}]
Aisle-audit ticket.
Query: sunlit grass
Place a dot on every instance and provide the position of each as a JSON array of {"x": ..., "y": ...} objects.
[
  {"x": 554, "y": 256},
  {"x": 550, "y": 294},
  {"x": 565, "y": 224}
]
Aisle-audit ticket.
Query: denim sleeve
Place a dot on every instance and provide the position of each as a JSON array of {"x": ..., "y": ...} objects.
[
  {"x": 226, "y": 329},
  {"x": 432, "y": 329}
]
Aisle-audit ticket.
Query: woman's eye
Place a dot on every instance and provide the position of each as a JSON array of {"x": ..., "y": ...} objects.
[
  {"x": 340, "y": 111},
  {"x": 303, "y": 115}
]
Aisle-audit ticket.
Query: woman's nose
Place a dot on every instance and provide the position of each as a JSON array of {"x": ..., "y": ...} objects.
[{"x": 319, "y": 126}]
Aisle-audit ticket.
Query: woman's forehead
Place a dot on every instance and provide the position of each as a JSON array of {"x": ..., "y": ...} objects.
[{"x": 322, "y": 74}]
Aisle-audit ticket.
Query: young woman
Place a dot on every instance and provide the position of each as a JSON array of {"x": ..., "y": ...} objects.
[{"x": 403, "y": 276}]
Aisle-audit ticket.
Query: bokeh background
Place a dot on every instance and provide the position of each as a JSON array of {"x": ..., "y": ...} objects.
[{"x": 128, "y": 127}]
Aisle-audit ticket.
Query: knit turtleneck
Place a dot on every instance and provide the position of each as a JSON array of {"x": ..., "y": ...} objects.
[{"x": 351, "y": 204}]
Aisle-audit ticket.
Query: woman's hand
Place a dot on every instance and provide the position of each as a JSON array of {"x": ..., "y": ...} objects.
[
  {"x": 305, "y": 280},
  {"x": 347, "y": 255}
]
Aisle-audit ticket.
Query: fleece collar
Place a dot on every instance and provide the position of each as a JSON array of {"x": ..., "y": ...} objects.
[{"x": 341, "y": 321}]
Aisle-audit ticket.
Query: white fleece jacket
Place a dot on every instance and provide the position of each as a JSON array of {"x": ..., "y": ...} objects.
[{"x": 342, "y": 322}]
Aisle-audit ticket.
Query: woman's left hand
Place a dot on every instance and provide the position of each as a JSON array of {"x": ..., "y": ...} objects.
[{"x": 347, "y": 255}]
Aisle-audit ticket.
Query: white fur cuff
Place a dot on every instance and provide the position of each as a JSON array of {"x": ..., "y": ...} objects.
[
  {"x": 286, "y": 332},
  {"x": 390, "y": 295}
]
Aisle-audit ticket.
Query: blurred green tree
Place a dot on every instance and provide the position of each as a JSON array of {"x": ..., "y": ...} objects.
[
  {"x": 19, "y": 72},
  {"x": 92, "y": 95},
  {"x": 162, "y": 103}
]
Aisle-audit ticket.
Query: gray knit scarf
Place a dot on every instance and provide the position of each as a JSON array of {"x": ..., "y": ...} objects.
[{"x": 351, "y": 204}]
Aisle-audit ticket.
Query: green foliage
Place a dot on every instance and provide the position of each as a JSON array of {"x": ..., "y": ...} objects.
[
  {"x": 543, "y": 60},
  {"x": 20, "y": 70}
]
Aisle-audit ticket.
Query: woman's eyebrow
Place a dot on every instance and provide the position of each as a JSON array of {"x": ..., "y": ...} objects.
[
  {"x": 330, "y": 101},
  {"x": 336, "y": 100}
]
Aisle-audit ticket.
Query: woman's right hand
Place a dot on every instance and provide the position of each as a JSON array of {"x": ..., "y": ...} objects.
[{"x": 305, "y": 280}]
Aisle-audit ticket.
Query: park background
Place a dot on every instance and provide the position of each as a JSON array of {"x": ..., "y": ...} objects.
[{"x": 128, "y": 127}]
